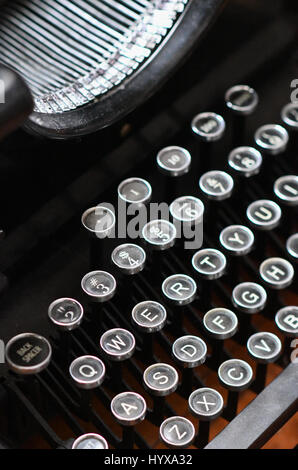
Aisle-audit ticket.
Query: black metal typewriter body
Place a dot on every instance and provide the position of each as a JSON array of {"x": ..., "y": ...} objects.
[{"x": 46, "y": 186}]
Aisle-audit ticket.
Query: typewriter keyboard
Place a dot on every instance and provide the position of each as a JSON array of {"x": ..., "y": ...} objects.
[{"x": 176, "y": 327}]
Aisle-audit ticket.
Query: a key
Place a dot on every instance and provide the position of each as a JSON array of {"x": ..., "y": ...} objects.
[
  {"x": 177, "y": 432},
  {"x": 149, "y": 317},
  {"x": 264, "y": 214},
  {"x": 173, "y": 162},
  {"x": 99, "y": 287},
  {"x": 206, "y": 404},
  {"x": 237, "y": 240},
  {"x": 289, "y": 115},
  {"x": 160, "y": 380},
  {"x": 159, "y": 235},
  {"x": 190, "y": 352},
  {"x": 87, "y": 373},
  {"x": 241, "y": 100},
  {"x": 28, "y": 354},
  {"x": 286, "y": 320},
  {"x": 118, "y": 345},
  {"x": 136, "y": 191},
  {"x": 129, "y": 258},
  {"x": 220, "y": 323},
  {"x": 235, "y": 375},
  {"x": 179, "y": 290},
  {"x": 272, "y": 139},
  {"x": 187, "y": 214},
  {"x": 264, "y": 348},
  {"x": 277, "y": 273},
  {"x": 245, "y": 161},
  {"x": 286, "y": 189},
  {"x": 216, "y": 185},
  {"x": 129, "y": 409},
  {"x": 249, "y": 298},
  {"x": 292, "y": 246},
  {"x": 99, "y": 222},
  {"x": 66, "y": 315},
  {"x": 208, "y": 128},
  {"x": 209, "y": 264},
  {"x": 90, "y": 441}
]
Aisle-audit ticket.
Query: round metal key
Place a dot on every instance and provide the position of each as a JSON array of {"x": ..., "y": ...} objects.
[
  {"x": 272, "y": 138},
  {"x": 90, "y": 441},
  {"x": 292, "y": 246},
  {"x": 238, "y": 240},
  {"x": 286, "y": 189},
  {"x": 177, "y": 432},
  {"x": 135, "y": 191},
  {"x": 216, "y": 185},
  {"x": 264, "y": 347},
  {"x": 220, "y": 323},
  {"x": 188, "y": 210},
  {"x": 246, "y": 161},
  {"x": 129, "y": 408},
  {"x": 99, "y": 285},
  {"x": 190, "y": 351},
  {"x": 66, "y": 314},
  {"x": 28, "y": 353},
  {"x": 289, "y": 115},
  {"x": 160, "y": 379},
  {"x": 174, "y": 161},
  {"x": 206, "y": 404},
  {"x": 286, "y": 320},
  {"x": 149, "y": 316},
  {"x": 278, "y": 273},
  {"x": 264, "y": 214},
  {"x": 235, "y": 374},
  {"x": 99, "y": 221},
  {"x": 209, "y": 263},
  {"x": 129, "y": 258},
  {"x": 159, "y": 234},
  {"x": 179, "y": 288},
  {"x": 118, "y": 344},
  {"x": 208, "y": 127},
  {"x": 87, "y": 372},
  {"x": 249, "y": 297},
  {"x": 242, "y": 99}
]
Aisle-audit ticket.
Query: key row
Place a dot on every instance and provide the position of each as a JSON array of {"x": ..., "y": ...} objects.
[{"x": 30, "y": 353}]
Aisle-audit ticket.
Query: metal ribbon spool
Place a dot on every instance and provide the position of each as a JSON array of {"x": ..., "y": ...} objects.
[{"x": 90, "y": 62}]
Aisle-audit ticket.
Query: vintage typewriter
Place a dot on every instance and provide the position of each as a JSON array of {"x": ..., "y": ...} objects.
[{"x": 168, "y": 329}]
